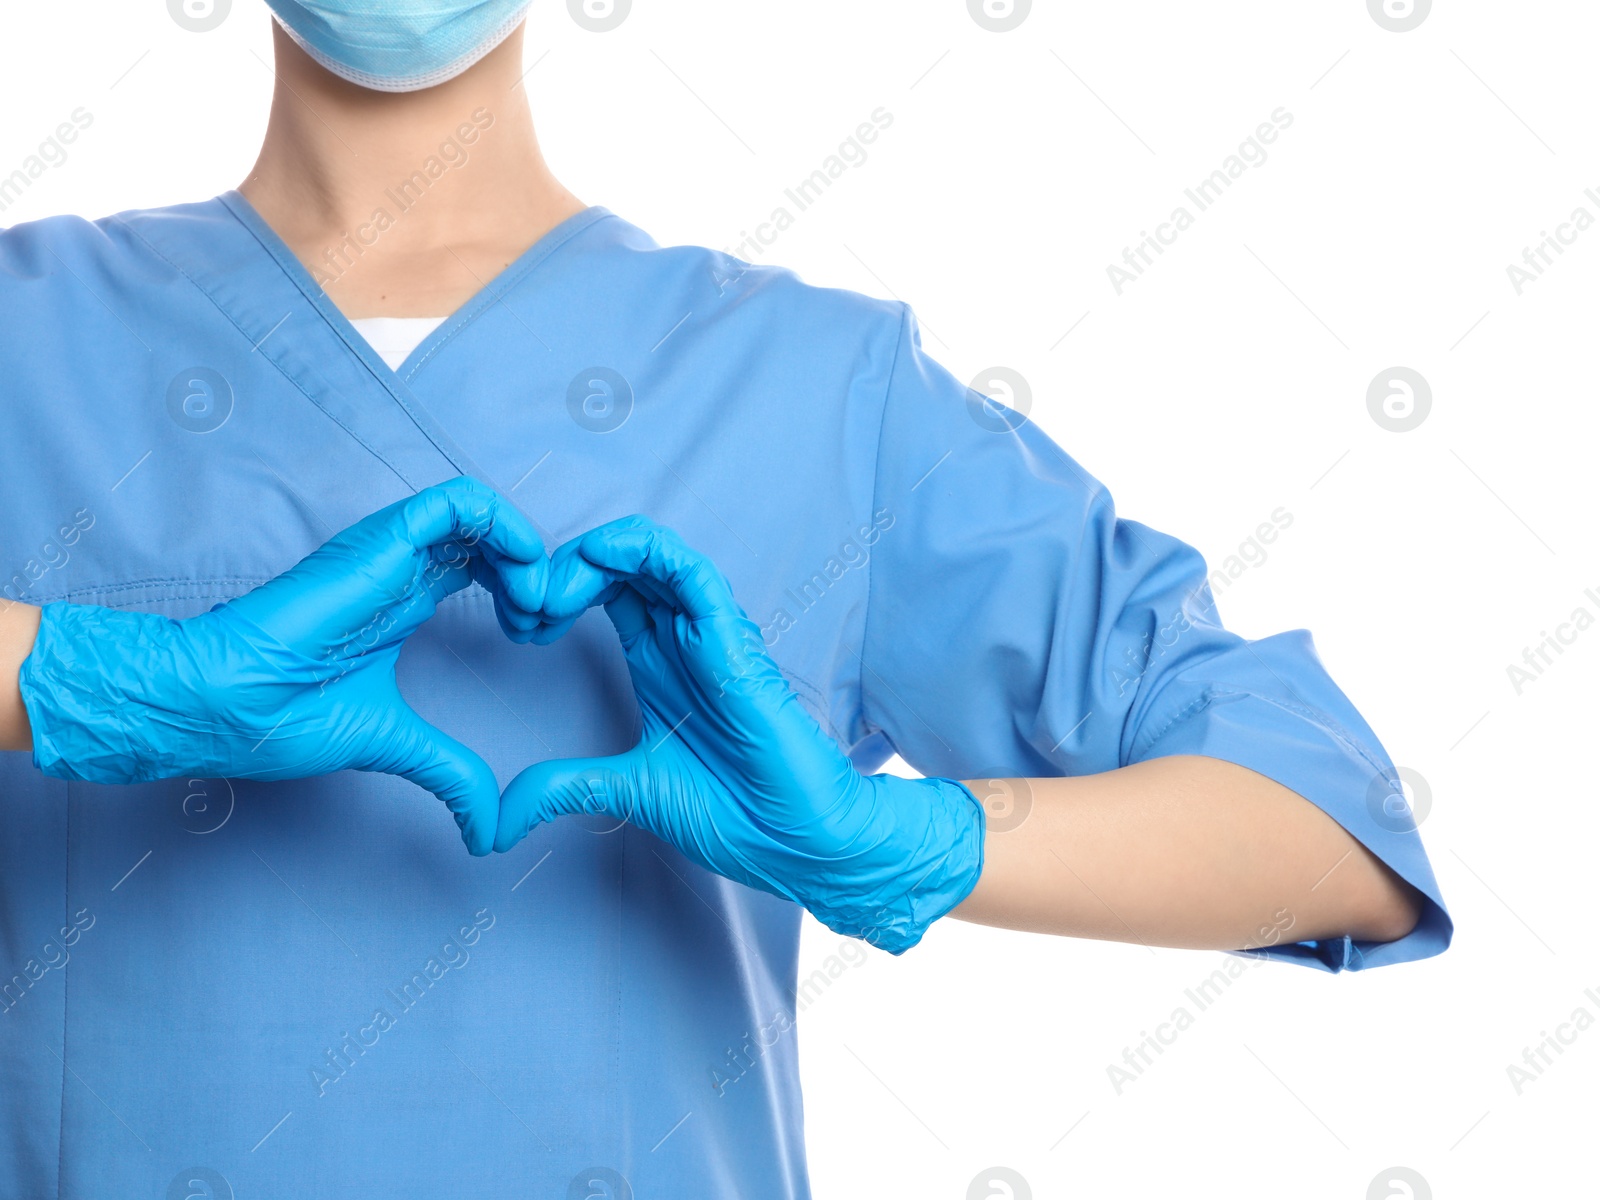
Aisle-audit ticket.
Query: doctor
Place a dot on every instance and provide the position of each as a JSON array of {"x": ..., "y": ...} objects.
[{"x": 303, "y": 983}]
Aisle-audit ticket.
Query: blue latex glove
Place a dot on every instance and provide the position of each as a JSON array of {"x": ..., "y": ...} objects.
[
  {"x": 730, "y": 768},
  {"x": 295, "y": 678}
]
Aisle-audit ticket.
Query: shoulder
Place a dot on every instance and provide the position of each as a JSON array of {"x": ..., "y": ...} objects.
[
  {"x": 765, "y": 299},
  {"x": 49, "y": 269},
  {"x": 29, "y": 250},
  {"x": 782, "y": 293},
  {"x": 69, "y": 251}
]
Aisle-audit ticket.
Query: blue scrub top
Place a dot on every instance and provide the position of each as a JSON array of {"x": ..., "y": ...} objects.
[{"x": 308, "y": 987}]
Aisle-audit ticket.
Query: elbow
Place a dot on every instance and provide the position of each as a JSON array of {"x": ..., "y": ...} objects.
[{"x": 1390, "y": 908}]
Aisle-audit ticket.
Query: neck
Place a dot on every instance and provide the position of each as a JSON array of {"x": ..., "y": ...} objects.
[{"x": 404, "y": 204}]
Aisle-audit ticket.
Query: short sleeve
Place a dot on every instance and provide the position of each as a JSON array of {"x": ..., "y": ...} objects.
[{"x": 1016, "y": 626}]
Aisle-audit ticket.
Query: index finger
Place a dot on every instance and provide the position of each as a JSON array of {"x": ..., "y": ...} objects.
[
  {"x": 465, "y": 510},
  {"x": 634, "y": 548}
]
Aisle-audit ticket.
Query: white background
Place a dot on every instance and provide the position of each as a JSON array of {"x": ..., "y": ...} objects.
[{"x": 1228, "y": 381}]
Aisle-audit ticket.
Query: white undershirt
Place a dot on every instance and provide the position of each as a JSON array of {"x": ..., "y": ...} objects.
[{"x": 394, "y": 338}]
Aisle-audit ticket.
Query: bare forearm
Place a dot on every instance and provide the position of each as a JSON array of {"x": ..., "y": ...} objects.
[
  {"x": 19, "y": 624},
  {"x": 1182, "y": 851}
]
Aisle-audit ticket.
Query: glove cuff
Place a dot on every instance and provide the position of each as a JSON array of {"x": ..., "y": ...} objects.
[
  {"x": 85, "y": 685},
  {"x": 938, "y": 873}
]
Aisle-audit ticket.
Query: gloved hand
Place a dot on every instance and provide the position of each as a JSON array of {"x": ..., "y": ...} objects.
[
  {"x": 730, "y": 768},
  {"x": 295, "y": 678}
]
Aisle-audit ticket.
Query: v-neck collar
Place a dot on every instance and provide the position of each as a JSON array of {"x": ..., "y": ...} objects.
[
  {"x": 489, "y": 294},
  {"x": 218, "y": 246}
]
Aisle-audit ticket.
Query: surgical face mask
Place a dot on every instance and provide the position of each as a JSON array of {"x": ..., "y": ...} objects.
[{"x": 398, "y": 45}]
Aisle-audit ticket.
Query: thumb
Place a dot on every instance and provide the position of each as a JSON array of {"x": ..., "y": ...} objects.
[
  {"x": 563, "y": 787},
  {"x": 431, "y": 758}
]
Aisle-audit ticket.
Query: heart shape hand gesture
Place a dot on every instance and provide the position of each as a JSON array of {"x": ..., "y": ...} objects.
[{"x": 297, "y": 678}]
